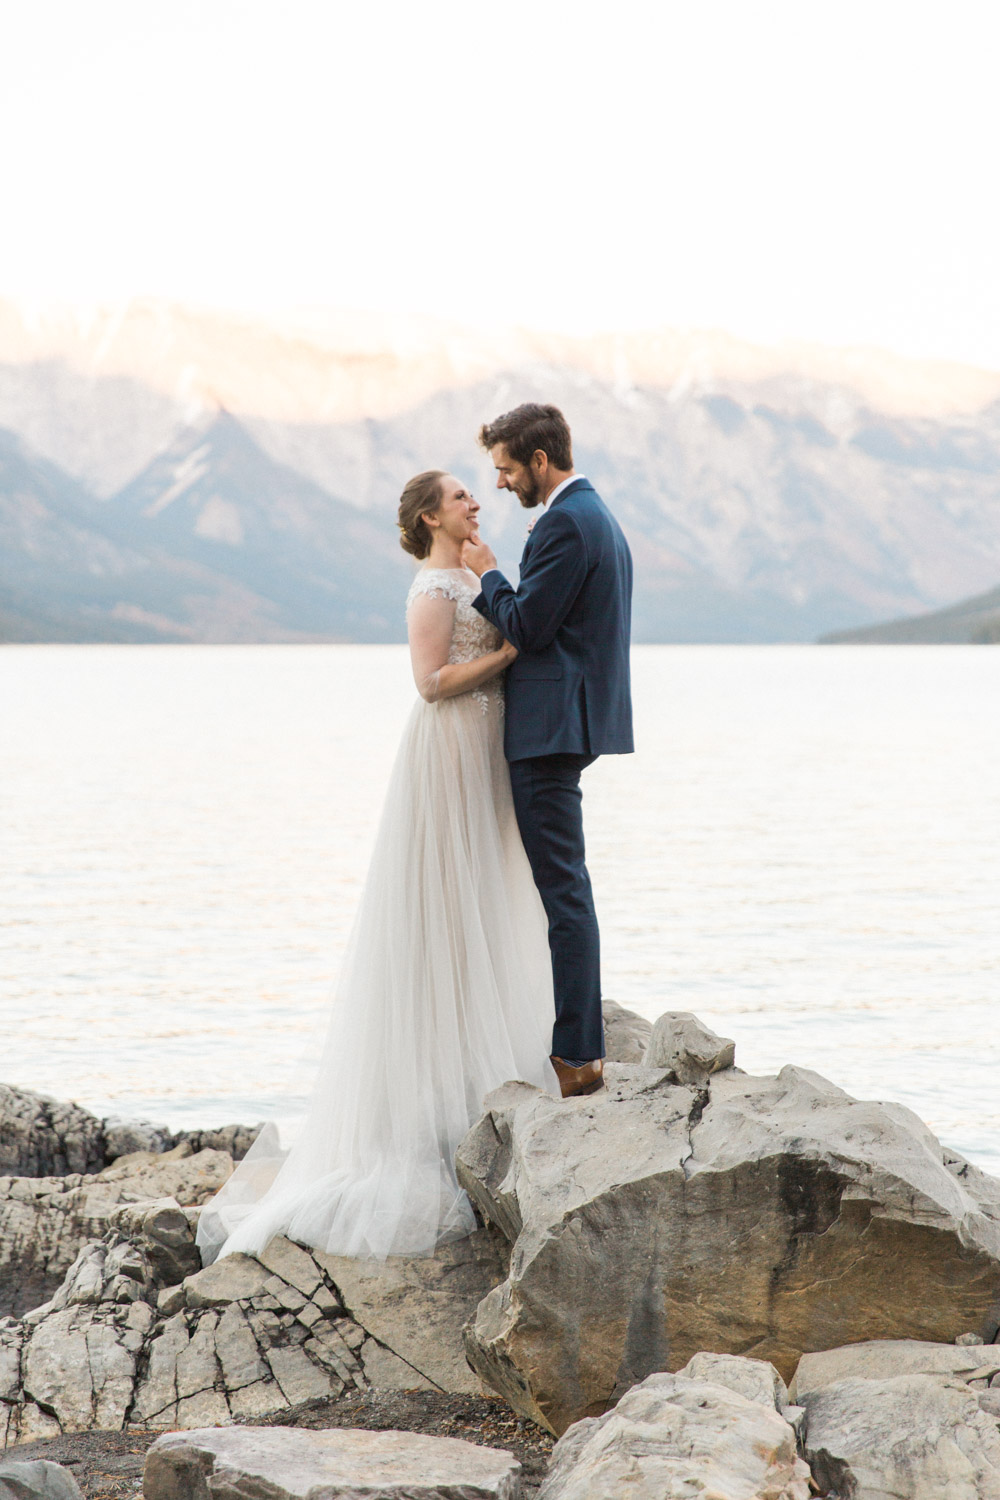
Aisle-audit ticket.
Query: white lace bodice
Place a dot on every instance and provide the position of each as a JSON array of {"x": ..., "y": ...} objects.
[{"x": 472, "y": 636}]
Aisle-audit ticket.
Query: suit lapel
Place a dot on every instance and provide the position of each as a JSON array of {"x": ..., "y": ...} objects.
[{"x": 571, "y": 489}]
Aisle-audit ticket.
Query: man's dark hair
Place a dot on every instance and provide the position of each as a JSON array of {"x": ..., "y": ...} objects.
[{"x": 526, "y": 429}]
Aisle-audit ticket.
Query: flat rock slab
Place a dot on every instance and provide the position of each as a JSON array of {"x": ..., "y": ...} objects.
[
  {"x": 917, "y": 1437},
  {"x": 883, "y": 1359},
  {"x": 675, "y": 1438},
  {"x": 760, "y": 1216},
  {"x": 284, "y": 1464}
]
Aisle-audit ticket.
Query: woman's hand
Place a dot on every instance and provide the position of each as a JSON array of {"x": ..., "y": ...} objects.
[{"x": 508, "y": 652}]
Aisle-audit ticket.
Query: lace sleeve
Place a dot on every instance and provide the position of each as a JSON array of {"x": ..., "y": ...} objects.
[
  {"x": 436, "y": 583},
  {"x": 430, "y": 623}
]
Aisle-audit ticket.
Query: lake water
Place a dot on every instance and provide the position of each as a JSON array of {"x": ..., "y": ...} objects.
[{"x": 803, "y": 851}]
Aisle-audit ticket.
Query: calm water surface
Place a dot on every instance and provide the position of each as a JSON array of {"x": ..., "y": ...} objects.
[{"x": 803, "y": 851}]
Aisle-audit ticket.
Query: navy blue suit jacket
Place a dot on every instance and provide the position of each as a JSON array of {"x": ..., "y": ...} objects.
[{"x": 569, "y": 689}]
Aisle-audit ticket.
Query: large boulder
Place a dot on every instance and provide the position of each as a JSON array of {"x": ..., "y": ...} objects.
[
  {"x": 766, "y": 1216},
  {"x": 45, "y": 1220},
  {"x": 913, "y": 1437},
  {"x": 672, "y": 1437},
  {"x": 289, "y": 1464}
]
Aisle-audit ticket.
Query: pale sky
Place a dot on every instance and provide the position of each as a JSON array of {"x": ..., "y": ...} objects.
[{"x": 814, "y": 170}]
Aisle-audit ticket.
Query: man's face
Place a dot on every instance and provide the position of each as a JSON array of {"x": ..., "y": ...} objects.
[{"x": 522, "y": 480}]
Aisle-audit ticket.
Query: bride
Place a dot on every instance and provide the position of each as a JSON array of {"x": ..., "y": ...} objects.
[{"x": 446, "y": 986}]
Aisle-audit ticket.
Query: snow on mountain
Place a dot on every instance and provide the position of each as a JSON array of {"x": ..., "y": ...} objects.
[
  {"x": 768, "y": 493},
  {"x": 212, "y": 541}
]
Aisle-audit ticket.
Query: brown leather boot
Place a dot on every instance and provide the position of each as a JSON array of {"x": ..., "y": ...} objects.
[{"x": 585, "y": 1080}]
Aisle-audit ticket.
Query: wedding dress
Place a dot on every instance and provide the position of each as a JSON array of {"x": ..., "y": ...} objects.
[{"x": 445, "y": 992}]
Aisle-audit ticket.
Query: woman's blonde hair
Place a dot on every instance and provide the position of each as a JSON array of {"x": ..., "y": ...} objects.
[{"x": 422, "y": 495}]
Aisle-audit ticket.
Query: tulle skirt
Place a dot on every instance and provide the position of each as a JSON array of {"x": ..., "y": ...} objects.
[{"x": 445, "y": 993}]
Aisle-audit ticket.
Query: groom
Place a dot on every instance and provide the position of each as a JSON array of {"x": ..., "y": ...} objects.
[{"x": 568, "y": 698}]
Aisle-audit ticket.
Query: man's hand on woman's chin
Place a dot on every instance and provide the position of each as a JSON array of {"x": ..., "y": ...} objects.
[{"x": 478, "y": 556}]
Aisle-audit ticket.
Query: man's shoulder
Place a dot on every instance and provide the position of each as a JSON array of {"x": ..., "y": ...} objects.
[
  {"x": 584, "y": 505},
  {"x": 577, "y": 489}
]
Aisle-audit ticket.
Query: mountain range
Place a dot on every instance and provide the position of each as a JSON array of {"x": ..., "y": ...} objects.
[
  {"x": 168, "y": 473},
  {"x": 970, "y": 622}
]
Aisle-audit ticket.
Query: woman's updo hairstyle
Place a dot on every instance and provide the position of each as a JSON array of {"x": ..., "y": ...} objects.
[{"x": 423, "y": 494}]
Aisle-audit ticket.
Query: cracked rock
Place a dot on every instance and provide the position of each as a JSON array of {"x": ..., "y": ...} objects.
[
  {"x": 291, "y": 1464},
  {"x": 114, "y": 1347},
  {"x": 673, "y": 1436},
  {"x": 758, "y": 1216},
  {"x": 418, "y": 1308},
  {"x": 77, "y": 1368}
]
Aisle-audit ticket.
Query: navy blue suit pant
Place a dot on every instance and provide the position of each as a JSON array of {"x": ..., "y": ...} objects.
[{"x": 549, "y": 807}]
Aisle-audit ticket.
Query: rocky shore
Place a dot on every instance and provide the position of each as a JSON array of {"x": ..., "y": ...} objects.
[{"x": 697, "y": 1281}]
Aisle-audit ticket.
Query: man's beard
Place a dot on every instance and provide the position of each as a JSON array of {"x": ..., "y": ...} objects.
[{"x": 529, "y": 492}]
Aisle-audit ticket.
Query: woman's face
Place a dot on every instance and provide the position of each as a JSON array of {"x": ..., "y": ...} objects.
[{"x": 457, "y": 515}]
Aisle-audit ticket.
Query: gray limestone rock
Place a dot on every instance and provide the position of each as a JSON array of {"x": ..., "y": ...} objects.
[
  {"x": 164, "y": 1231},
  {"x": 37, "y": 1479},
  {"x": 124, "y": 1137},
  {"x": 753, "y": 1378},
  {"x": 45, "y": 1137},
  {"x": 232, "y": 1279},
  {"x": 914, "y": 1437},
  {"x": 45, "y": 1220},
  {"x": 688, "y": 1051},
  {"x": 105, "y": 1351},
  {"x": 418, "y": 1308},
  {"x": 760, "y": 1216},
  {"x": 77, "y": 1367},
  {"x": 672, "y": 1437},
  {"x": 292, "y": 1464},
  {"x": 882, "y": 1359},
  {"x": 235, "y": 1140},
  {"x": 626, "y": 1034},
  {"x": 293, "y": 1265},
  {"x": 243, "y": 1339}
]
